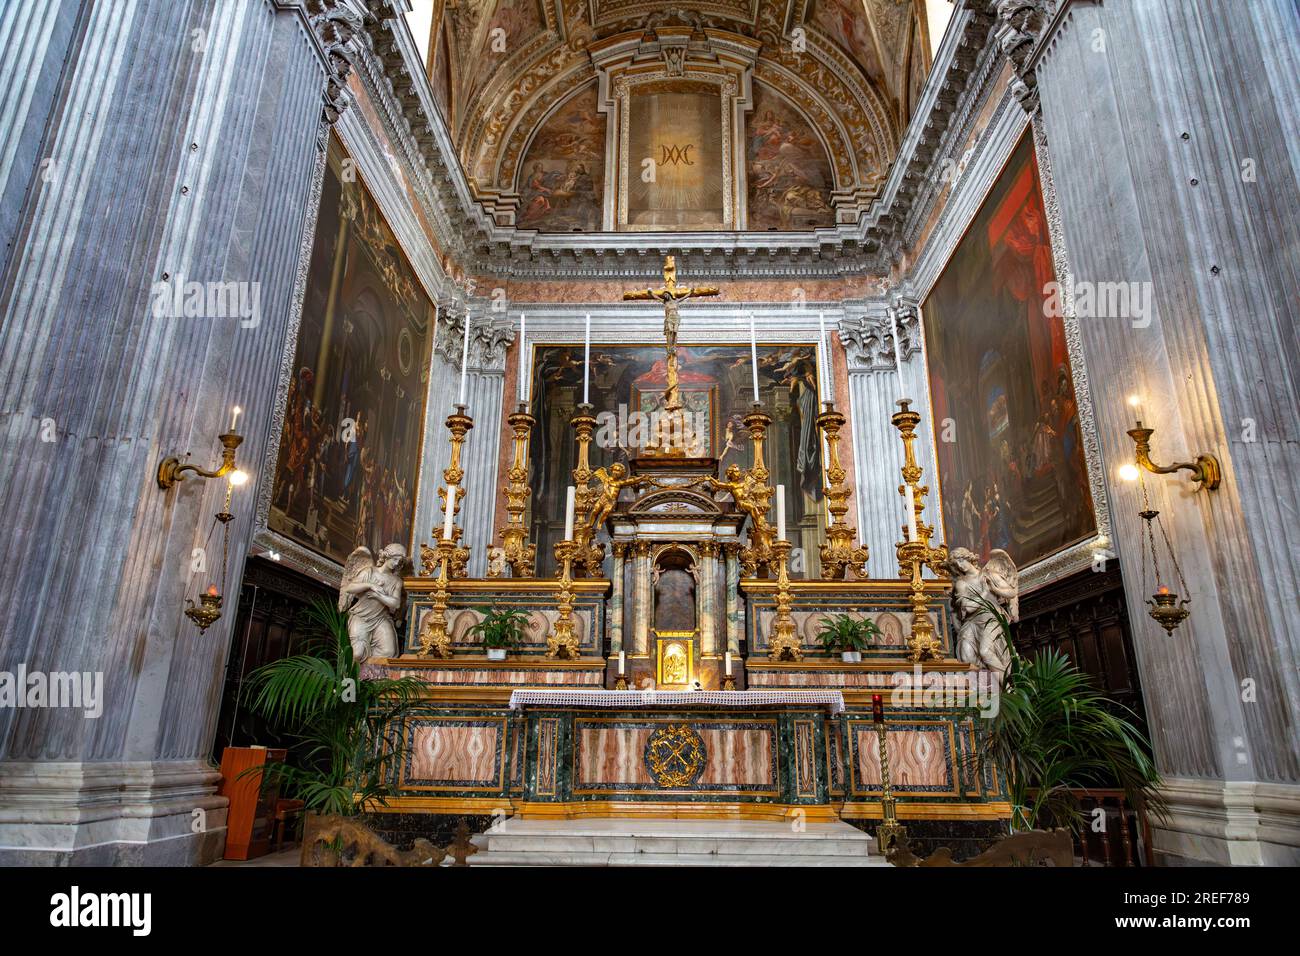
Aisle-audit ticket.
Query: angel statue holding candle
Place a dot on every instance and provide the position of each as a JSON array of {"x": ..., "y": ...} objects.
[
  {"x": 975, "y": 591},
  {"x": 371, "y": 594}
]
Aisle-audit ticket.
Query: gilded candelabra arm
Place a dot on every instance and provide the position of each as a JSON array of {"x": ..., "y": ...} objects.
[
  {"x": 1205, "y": 470},
  {"x": 171, "y": 471}
]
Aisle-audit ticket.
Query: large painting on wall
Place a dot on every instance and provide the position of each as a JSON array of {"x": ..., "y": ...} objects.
[
  {"x": 350, "y": 447},
  {"x": 677, "y": 124},
  {"x": 717, "y": 389},
  {"x": 1014, "y": 477},
  {"x": 789, "y": 175},
  {"x": 562, "y": 187}
]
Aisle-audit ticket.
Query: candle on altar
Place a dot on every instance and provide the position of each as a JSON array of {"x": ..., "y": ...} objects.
[
  {"x": 570, "y": 503},
  {"x": 451, "y": 512},
  {"x": 911, "y": 513},
  {"x": 586, "y": 363},
  {"x": 622, "y": 663},
  {"x": 898, "y": 351},
  {"x": 823, "y": 380},
  {"x": 234, "y": 417},
  {"x": 877, "y": 708},
  {"x": 523, "y": 357},
  {"x": 728, "y": 659},
  {"x": 464, "y": 361},
  {"x": 753, "y": 355},
  {"x": 780, "y": 512}
]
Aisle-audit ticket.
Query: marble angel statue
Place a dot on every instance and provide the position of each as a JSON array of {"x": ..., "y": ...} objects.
[
  {"x": 371, "y": 594},
  {"x": 979, "y": 635}
]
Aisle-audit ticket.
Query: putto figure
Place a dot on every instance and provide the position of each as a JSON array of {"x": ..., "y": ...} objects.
[
  {"x": 371, "y": 594},
  {"x": 611, "y": 483},
  {"x": 997, "y": 583}
]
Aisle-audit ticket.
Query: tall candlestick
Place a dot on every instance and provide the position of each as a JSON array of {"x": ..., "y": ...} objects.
[
  {"x": 464, "y": 360},
  {"x": 570, "y": 502},
  {"x": 451, "y": 512},
  {"x": 523, "y": 357},
  {"x": 753, "y": 355},
  {"x": 234, "y": 418},
  {"x": 586, "y": 362},
  {"x": 780, "y": 512}
]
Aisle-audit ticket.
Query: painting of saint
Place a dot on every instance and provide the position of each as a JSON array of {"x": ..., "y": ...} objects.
[
  {"x": 350, "y": 445},
  {"x": 562, "y": 179},
  {"x": 1015, "y": 478},
  {"x": 717, "y": 390},
  {"x": 789, "y": 176}
]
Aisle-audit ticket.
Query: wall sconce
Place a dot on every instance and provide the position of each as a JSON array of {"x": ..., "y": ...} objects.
[
  {"x": 171, "y": 471},
  {"x": 1166, "y": 608},
  {"x": 1205, "y": 470}
]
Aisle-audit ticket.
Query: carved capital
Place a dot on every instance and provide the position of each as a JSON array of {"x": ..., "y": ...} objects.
[
  {"x": 869, "y": 339},
  {"x": 340, "y": 27},
  {"x": 1019, "y": 29}
]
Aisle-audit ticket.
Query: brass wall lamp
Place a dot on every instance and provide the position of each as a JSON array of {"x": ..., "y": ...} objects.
[
  {"x": 171, "y": 471},
  {"x": 1205, "y": 470}
]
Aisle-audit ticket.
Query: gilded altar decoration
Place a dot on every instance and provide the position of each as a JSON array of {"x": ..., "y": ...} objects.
[
  {"x": 515, "y": 551},
  {"x": 562, "y": 642},
  {"x": 434, "y": 638},
  {"x": 676, "y": 659},
  {"x": 458, "y": 424},
  {"x": 674, "y": 435},
  {"x": 372, "y": 596},
  {"x": 675, "y": 756},
  {"x": 838, "y": 553},
  {"x": 914, "y": 551},
  {"x": 783, "y": 644}
]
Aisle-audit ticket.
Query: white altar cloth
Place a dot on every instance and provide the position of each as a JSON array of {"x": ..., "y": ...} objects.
[{"x": 833, "y": 700}]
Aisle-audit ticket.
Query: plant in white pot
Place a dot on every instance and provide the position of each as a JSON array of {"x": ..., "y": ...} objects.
[
  {"x": 848, "y": 635},
  {"x": 500, "y": 631}
]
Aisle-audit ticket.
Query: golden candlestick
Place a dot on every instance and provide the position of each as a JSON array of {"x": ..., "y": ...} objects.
[
  {"x": 459, "y": 424},
  {"x": 838, "y": 553},
  {"x": 562, "y": 642},
  {"x": 915, "y": 555},
  {"x": 434, "y": 639},
  {"x": 520, "y": 556},
  {"x": 587, "y": 554},
  {"x": 1205, "y": 471},
  {"x": 760, "y": 553},
  {"x": 784, "y": 643},
  {"x": 890, "y": 832}
]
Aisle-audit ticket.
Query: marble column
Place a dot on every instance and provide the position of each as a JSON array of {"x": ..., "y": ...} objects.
[
  {"x": 735, "y": 607},
  {"x": 619, "y": 577},
  {"x": 642, "y": 599},
  {"x": 184, "y": 144},
  {"x": 1192, "y": 202},
  {"x": 708, "y": 589},
  {"x": 874, "y": 390}
]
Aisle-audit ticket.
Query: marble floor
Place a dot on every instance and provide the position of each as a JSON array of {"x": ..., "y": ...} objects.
[{"x": 635, "y": 842}]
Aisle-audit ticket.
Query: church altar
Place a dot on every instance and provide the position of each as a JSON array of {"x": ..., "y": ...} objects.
[{"x": 670, "y": 664}]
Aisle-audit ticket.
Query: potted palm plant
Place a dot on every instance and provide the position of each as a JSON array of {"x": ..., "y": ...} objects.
[
  {"x": 848, "y": 635},
  {"x": 500, "y": 629},
  {"x": 348, "y": 730},
  {"x": 1054, "y": 735}
]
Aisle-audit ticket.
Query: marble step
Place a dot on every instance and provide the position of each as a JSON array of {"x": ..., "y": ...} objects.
[{"x": 633, "y": 842}]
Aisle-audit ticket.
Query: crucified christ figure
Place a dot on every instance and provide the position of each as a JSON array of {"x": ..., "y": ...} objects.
[{"x": 670, "y": 295}]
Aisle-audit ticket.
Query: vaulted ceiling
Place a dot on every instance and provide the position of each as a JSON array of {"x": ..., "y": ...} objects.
[{"x": 853, "y": 68}]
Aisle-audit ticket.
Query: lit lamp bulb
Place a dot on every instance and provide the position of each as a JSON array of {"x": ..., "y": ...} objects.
[
  {"x": 1128, "y": 472},
  {"x": 237, "y": 477},
  {"x": 1135, "y": 403}
]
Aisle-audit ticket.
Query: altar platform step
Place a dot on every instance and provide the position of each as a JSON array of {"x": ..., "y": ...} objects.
[{"x": 633, "y": 842}]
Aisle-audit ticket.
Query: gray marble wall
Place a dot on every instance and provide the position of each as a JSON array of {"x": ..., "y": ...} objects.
[
  {"x": 1179, "y": 170},
  {"x": 183, "y": 137}
]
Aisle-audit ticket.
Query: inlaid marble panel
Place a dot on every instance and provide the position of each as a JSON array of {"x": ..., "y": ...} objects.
[
  {"x": 739, "y": 755},
  {"x": 453, "y": 753},
  {"x": 921, "y": 757}
]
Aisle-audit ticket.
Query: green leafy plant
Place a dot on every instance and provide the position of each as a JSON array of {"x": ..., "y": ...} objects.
[
  {"x": 348, "y": 729},
  {"x": 501, "y": 628},
  {"x": 1054, "y": 734},
  {"x": 845, "y": 633}
]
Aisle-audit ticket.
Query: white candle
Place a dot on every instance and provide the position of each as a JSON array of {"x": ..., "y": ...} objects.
[
  {"x": 570, "y": 502},
  {"x": 464, "y": 360},
  {"x": 622, "y": 662},
  {"x": 728, "y": 658},
  {"x": 824, "y": 379},
  {"x": 911, "y": 514},
  {"x": 898, "y": 351},
  {"x": 586, "y": 363},
  {"x": 523, "y": 358},
  {"x": 780, "y": 512},
  {"x": 451, "y": 512},
  {"x": 234, "y": 417},
  {"x": 753, "y": 355}
]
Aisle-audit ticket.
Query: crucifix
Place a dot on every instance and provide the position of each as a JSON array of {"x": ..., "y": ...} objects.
[{"x": 670, "y": 295}]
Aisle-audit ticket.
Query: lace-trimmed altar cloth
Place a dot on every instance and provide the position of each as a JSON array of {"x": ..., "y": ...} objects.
[{"x": 833, "y": 700}]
